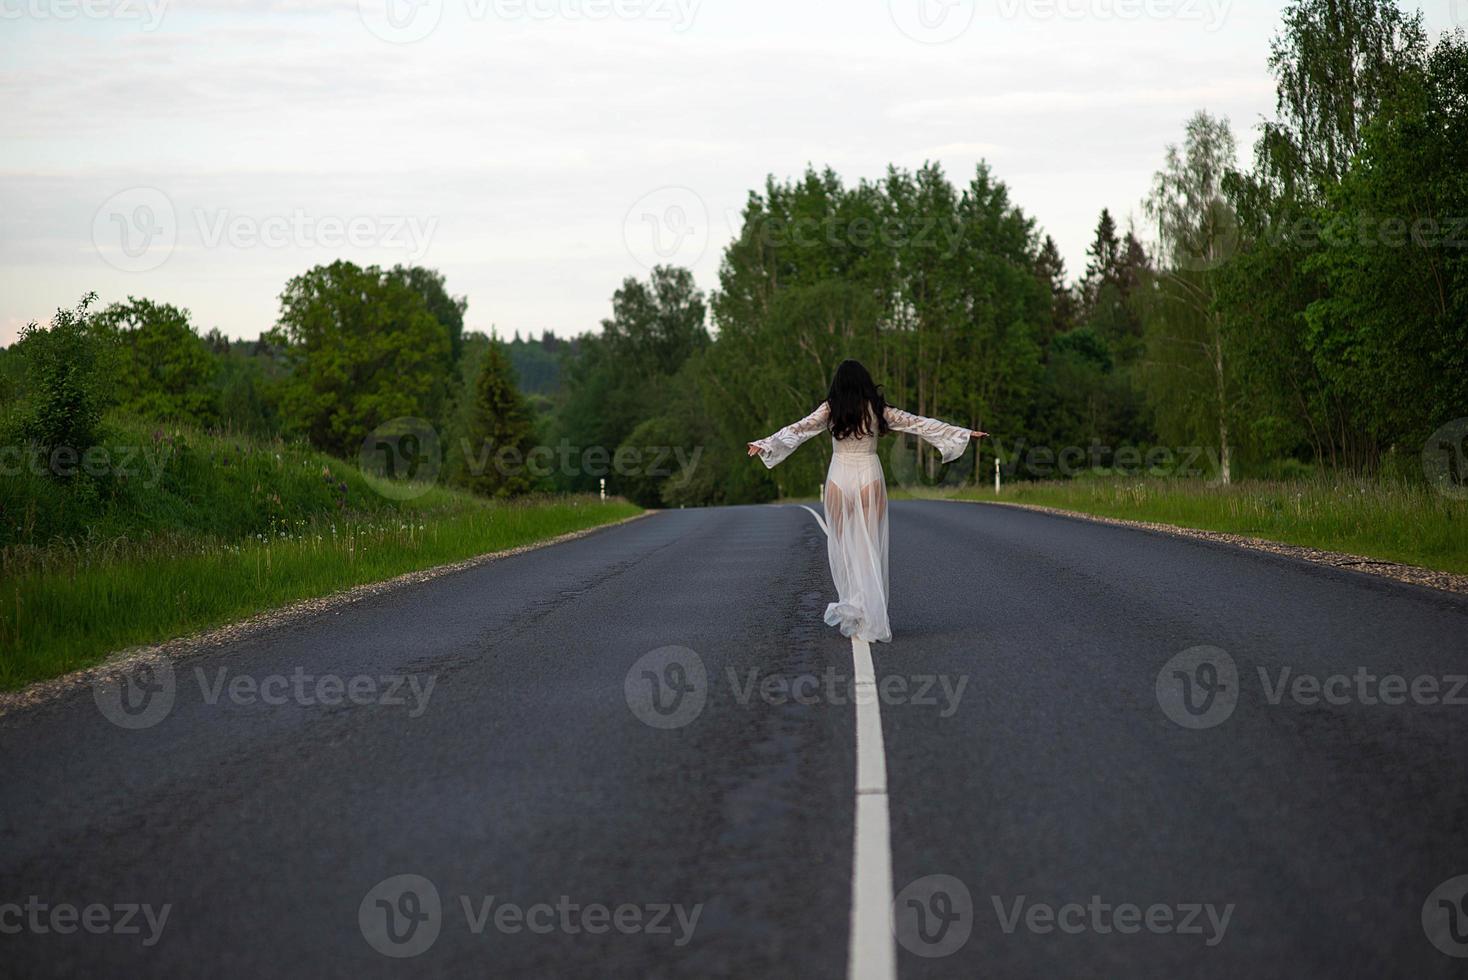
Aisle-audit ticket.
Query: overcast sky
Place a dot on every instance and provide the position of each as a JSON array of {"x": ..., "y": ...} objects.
[{"x": 201, "y": 152}]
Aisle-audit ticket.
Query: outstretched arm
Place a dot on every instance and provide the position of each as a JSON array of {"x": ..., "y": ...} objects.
[
  {"x": 773, "y": 449},
  {"x": 950, "y": 440}
]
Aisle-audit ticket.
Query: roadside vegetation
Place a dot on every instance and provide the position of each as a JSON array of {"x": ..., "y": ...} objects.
[
  {"x": 188, "y": 531},
  {"x": 1389, "y": 520}
]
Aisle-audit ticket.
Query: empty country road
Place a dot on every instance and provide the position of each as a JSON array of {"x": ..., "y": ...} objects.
[{"x": 1108, "y": 752}]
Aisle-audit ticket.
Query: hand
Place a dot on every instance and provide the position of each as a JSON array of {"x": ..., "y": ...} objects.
[
  {"x": 976, "y": 434},
  {"x": 754, "y": 450}
]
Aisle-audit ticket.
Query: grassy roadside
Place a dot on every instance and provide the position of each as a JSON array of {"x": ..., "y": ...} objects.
[
  {"x": 1390, "y": 521},
  {"x": 185, "y": 531},
  {"x": 57, "y": 620}
]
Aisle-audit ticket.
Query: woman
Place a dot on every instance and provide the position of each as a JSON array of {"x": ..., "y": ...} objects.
[{"x": 855, "y": 494}]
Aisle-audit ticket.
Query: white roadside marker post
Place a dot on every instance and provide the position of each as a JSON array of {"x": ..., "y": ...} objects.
[
  {"x": 996, "y": 476},
  {"x": 603, "y": 488}
]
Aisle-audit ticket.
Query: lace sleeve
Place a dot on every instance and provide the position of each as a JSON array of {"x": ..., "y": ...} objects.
[
  {"x": 950, "y": 440},
  {"x": 774, "y": 449}
]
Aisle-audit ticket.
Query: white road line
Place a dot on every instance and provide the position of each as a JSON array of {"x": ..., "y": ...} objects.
[{"x": 872, "y": 955}]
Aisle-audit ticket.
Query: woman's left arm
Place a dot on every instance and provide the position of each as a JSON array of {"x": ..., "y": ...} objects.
[
  {"x": 950, "y": 440},
  {"x": 774, "y": 449}
]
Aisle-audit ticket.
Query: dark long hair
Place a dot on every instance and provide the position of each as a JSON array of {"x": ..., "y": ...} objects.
[{"x": 852, "y": 396}]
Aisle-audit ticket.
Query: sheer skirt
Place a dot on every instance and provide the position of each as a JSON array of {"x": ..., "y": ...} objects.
[{"x": 855, "y": 501}]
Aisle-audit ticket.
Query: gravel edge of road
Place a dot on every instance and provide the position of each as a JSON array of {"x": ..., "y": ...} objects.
[
  {"x": 195, "y": 644},
  {"x": 1410, "y": 574}
]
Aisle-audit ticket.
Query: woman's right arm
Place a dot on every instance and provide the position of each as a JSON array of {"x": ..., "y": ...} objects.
[{"x": 775, "y": 448}]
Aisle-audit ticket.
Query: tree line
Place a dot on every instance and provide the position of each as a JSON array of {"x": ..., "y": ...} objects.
[{"x": 1309, "y": 310}]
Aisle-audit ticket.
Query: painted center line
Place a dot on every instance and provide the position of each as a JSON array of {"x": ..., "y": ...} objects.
[{"x": 871, "y": 955}]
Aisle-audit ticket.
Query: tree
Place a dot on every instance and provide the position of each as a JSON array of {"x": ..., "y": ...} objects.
[
  {"x": 66, "y": 385},
  {"x": 1050, "y": 269},
  {"x": 163, "y": 368},
  {"x": 447, "y": 310},
  {"x": 1335, "y": 62},
  {"x": 615, "y": 380},
  {"x": 363, "y": 350},
  {"x": 1196, "y": 231},
  {"x": 501, "y": 432}
]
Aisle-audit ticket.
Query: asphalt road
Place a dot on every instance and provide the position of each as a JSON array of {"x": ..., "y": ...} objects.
[{"x": 1074, "y": 789}]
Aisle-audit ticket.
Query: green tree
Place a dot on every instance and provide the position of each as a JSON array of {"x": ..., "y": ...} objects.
[
  {"x": 1186, "y": 337},
  {"x": 363, "y": 349},
  {"x": 447, "y": 310},
  {"x": 501, "y": 432},
  {"x": 67, "y": 384},
  {"x": 163, "y": 368}
]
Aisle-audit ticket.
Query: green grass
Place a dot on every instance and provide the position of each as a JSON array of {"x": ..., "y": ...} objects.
[
  {"x": 227, "y": 530},
  {"x": 1392, "y": 521}
]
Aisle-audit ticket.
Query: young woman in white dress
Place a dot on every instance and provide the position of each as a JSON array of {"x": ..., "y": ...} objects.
[{"x": 855, "y": 493}]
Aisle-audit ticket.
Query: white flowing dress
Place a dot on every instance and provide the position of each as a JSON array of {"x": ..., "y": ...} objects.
[{"x": 855, "y": 500}]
